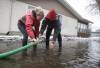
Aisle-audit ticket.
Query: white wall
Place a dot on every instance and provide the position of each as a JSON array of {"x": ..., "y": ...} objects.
[
  {"x": 19, "y": 9},
  {"x": 5, "y": 6},
  {"x": 69, "y": 26}
]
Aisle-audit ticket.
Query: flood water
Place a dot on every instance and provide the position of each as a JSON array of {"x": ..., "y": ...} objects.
[{"x": 74, "y": 54}]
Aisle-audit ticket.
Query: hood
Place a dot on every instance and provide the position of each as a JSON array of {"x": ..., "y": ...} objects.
[
  {"x": 51, "y": 15},
  {"x": 29, "y": 12}
]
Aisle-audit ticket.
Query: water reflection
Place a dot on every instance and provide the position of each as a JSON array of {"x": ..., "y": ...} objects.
[
  {"x": 74, "y": 54},
  {"x": 94, "y": 53}
]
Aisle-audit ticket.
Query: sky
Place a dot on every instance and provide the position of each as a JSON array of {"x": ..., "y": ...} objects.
[{"x": 81, "y": 6}]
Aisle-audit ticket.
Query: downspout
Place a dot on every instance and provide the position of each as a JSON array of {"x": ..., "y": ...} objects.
[
  {"x": 10, "y": 17},
  {"x": 77, "y": 28}
]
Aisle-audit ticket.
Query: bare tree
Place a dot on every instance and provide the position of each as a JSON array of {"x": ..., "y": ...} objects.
[
  {"x": 98, "y": 3},
  {"x": 94, "y": 6}
]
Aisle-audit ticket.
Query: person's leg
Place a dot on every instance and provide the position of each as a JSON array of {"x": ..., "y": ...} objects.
[
  {"x": 60, "y": 40},
  {"x": 22, "y": 28},
  {"x": 35, "y": 46},
  {"x": 48, "y": 33}
]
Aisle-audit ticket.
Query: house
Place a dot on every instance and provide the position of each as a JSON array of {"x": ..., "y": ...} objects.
[{"x": 72, "y": 23}]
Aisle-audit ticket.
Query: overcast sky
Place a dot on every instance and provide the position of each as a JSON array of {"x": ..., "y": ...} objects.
[{"x": 81, "y": 6}]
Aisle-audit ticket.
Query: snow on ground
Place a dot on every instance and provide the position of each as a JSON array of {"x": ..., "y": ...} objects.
[{"x": 18, "y": 37}]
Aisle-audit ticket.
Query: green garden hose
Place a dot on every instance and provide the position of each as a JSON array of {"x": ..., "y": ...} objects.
[{"x": 12, "y": 52}]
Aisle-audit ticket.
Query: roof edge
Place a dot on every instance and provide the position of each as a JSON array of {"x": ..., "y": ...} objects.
[{"x": 68, "y": 6}]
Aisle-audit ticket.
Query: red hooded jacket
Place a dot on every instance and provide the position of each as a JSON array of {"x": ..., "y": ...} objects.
[{"x": 30, "y": 22}]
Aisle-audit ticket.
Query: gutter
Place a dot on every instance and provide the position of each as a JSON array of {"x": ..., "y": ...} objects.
[{"x": 11, "y": 7}]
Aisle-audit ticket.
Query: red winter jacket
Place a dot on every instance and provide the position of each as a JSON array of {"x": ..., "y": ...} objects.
[{"x": 30, "y": 22}]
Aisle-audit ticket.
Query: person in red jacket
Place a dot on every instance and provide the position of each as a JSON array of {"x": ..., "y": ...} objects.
[
  {"x": 52, "y": 21},
  {"x": 28, "y": 21}
]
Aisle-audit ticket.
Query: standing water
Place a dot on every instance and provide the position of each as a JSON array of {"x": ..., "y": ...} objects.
[{"x": 74, "y": 54}]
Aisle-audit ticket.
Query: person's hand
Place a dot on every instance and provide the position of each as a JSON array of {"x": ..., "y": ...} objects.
[
  {"x": 37, "y": 39},
  {"x": 40, "y": 35},
  {"x": 34, "y": 40},
  {"x": 52, "y": 44}
]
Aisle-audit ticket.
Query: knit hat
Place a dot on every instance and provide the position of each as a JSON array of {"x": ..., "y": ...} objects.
[{"x": 51, "y": 15}]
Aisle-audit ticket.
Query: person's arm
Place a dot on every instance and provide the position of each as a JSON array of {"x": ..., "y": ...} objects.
[
  {"x": 28, "y": 24},
  {"x": 43, "y": 27},
  {"x": 37, "y": 30},
  {"x": 23, "y": 19},
  {"x": 57, "y": 28}
]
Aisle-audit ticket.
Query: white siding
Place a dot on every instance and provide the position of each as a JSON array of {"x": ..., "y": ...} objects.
[
  {"x": 69, "y": 26},
  {"x": 5, "y": 6},
  {"x": 19, "y": 9}
]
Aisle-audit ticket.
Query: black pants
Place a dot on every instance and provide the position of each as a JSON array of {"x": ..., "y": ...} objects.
[
  {"x": 22, "y": 29},
  {"x": 48, "y": 33}
]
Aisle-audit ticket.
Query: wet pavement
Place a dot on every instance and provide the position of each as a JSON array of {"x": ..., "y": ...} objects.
[{"x": 74, "y": 54}]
